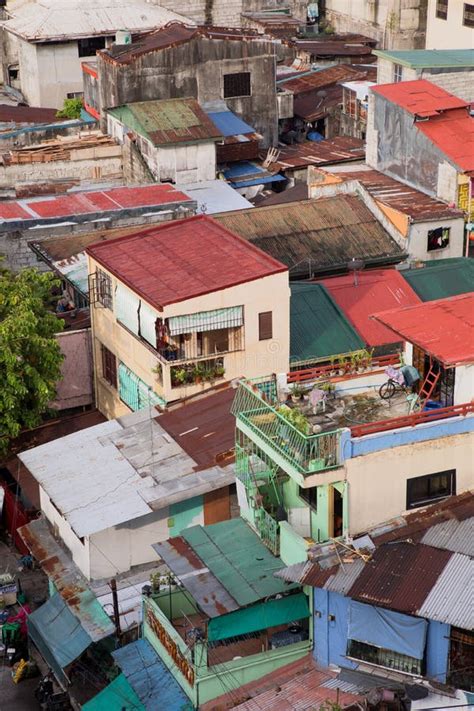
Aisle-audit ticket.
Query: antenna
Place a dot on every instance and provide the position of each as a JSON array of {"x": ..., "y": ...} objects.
[{"x": 356, "y": 265}]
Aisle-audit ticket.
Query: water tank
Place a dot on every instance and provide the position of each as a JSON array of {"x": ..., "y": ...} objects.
[{"x": 123, "y": 37}]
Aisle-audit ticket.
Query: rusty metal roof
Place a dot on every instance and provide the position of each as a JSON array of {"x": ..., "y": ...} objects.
[
  {"x": 67, "y": 578},
  {"x": 328, "y": 231},
  {"x": 312, "y": 81},
  {"x": 168, "y": 121},
  {"x": 26, "y": 114},
  {"x": 342, "y": 149}
]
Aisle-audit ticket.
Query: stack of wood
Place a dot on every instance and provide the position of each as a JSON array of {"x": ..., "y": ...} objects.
[{"x": 57, "y": 149}]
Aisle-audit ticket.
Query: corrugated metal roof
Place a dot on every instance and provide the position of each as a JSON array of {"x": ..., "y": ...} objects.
[
  {"x": 185, "y": 564},
  {"x": 116, "y": 695},
  {"x": 26, "y": 114},
  {"x": 345, "y": 577},
  {"x": 236, "y": 556},
  {"x": 419, "y": 97},
  {"x": 341, "y": 149},
  {"x": 213, "y": 196},
  {"x": 452, "y": 535},
  {"x": 377, "y": 289},
  {"x": 427, "y": 58},
  {"x": 314, "y": 80},
  {"x": 183, "y": 259},
  {"x": 149, "y": 678},
  {"x": 48, "y": 20},
  {"x": 451, "y": 598},
  {"x": 67, "y": 578},
  {"x": 318, "y": 327},
  {"x": 168, "y": 121},
  {"x": 443, "y": 328},
  {"x": 442, "y": 278},
  {"x": 317, "y": 235},
  {"x": 228, "y": 124}
]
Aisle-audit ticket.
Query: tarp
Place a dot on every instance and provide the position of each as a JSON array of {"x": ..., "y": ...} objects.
[
  {"x": 387, "y": 629},
  {"x": 58, "y": 634},
  {"x": 117, "y": 696},
  {"x": 207, "y": 320},
  {"x": 259, "y": 617}
]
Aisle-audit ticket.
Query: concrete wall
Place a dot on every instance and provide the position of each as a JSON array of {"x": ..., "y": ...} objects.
[
  {"x": 418, "y": 239},
  {"x": 79, "y": 550},
  {"x": 227, "y": 13},
  {"x": 459, "y": 82},
  {"x": 76, "y": 387},
  {"x": 196, "y": 70},
  {"x": 256, "y": 359},
  {"x": 378, "y": 482},
  {"x": 464, "y": 384},
  {"x": 395, "y": 24},
  {"x": 449, "y": 33}
]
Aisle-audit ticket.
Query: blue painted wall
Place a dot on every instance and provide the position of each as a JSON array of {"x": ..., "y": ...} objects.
[
  {"x": 184, "y": 514},
  {"x": 437, "y": 650}
]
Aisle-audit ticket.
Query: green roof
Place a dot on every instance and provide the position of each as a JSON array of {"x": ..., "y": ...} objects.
[
  {"x": 426, "y": 58},
  {"x": 236, "y": 556},
  {"x": 318, "y": 327},
  {"x": 442, "y": 278},
  {"x": 117, "y": 696}
]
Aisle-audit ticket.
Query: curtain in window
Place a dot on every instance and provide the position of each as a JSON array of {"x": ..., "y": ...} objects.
[
  {"x": 126, "y": 308},
  {"x": 148, "y": 317},
  {"x": 207, "y": 320}
]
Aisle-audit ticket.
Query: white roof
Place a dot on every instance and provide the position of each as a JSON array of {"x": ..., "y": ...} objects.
[
  {"x": 48, "y": 20},
  {"x": 361, "y": 87},
  {"x": 214, "y": 196}
]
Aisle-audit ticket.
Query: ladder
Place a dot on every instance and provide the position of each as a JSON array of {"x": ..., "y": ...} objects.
[{"x": 428, "y": 386}]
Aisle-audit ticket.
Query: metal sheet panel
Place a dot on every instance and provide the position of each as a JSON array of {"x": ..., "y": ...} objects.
[
  {"x": 456, "y": 536},
  {"x": 442, "y": 278},
  {"x": 451, "y": 598},
  {"x": 117, "y": 695}
]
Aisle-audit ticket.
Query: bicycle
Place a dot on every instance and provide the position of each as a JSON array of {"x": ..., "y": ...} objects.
[{"x": 395, "y": 383}]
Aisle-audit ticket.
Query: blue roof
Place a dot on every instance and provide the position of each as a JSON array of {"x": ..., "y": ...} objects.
[
  {"x": 57, "y": 633},
  {"x": 229, "y": 124},
  {"x": 150, "y": 678},
  {"x": 117, "y": 696},
  {"x": 244, "y": 174},
  {"x": 244, "y": 167}
]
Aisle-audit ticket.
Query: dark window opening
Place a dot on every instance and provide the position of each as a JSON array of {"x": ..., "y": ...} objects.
[
  {"x": 310, "y": 496},
  {"x": 438, "y": 238},
  {"x": 461, "y": 659},
  {"x": 446, "y": 386},
  {"x": 109, "y": 366},
  {"x": 104, "y": 288},
  {"x": 90, "y": 45},
  {"x": 468, "y": 15},
  {"x": 265, "y": 326},
  {"x": 384, "y": 657},
  {"x": 422, "y": 490},
  {"x": 442, "y": 9},
  {"x": 236, "y": 85}
]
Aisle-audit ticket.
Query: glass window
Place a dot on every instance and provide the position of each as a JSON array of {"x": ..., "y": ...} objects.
[
  {"x": 104, "y": 288},
  {"x": 442, "y": 9},
  {"x": 383, "y": 657},
  {"x": 422, "y": 490},
  {"x": 237, "y": 85},
  {"x": 109, "y": 366},
  {"x": 468, "y": 15},
  {"x": 265, "y": 326},
  {"x": 397, "y": 73}
]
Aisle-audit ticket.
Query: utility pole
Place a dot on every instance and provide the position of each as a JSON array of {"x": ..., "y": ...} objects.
[{"x": 118, "y": 630}]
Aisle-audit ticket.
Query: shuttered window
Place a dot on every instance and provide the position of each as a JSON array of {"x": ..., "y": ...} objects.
[
  {"x": 127, "y": 306},
  {"x": 134, "y": 392},
  {"x": 265, "y": 326},
  {"x": 109, "y": 366}
]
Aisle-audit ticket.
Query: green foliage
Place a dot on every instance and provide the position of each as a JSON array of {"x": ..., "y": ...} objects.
[
  {"x": 294, "y": 417},
  {"x": 71, "y": 109},
  {"x": 30, "y": 356}
]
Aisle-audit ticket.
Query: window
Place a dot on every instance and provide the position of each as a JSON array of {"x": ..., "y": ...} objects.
[
  {"x": 90, "y": 45},
  {"x": 383, "y": 657},
  {"x": 438, "y": 238},
  {"x": 424, "y": 490},
  {"x": 236, "y": 85},
  {"x": 468, "y": 15},
  {"x": 104, "y": 288},
  {"x": 397, "y": 73},
  {"x": 442, "y": 9},
  {"x": 265, "y": 328},
  {"x": 310, "y": 496},
  {"x": 75, "y": 94},
  {"x": 109, "y": 366}
]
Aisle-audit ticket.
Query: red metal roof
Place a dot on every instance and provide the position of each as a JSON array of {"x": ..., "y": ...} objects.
[
  {"x": 453, "y": 133},
  {"x": 26, "y": 114},
  {"x": 183, "y": 259},
  {"x": 419, "y": 97},
  {"x": 377, "y": 289},
  {"x": 443, "y": 328},
  {"x": 313, "y": 81}
]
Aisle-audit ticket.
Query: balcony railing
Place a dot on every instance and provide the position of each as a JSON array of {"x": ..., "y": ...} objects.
[
  {"x": 417, "y": 418},
  {"x": 346, "y": 367},
  {"x": 304, "y": 452}
]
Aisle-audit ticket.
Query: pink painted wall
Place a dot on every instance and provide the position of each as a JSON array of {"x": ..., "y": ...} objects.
[{"x": 76, "y": 388}]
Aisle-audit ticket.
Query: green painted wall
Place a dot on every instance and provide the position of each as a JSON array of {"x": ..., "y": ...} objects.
[
  {"x": 174, "y": 603},
  {"x": 184, "y": 514},
  {"x": 293, "y": 548}
]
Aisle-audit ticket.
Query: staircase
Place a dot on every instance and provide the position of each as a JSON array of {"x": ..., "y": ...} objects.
[{"x": 428, "y": 386}]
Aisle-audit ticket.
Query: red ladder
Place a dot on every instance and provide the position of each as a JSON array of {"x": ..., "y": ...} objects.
[{"x": 428, "y": 386}]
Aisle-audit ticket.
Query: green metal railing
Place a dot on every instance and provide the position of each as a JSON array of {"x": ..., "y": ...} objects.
[
  {"x": 268, "y": 529},
  {"x": 305, "y": 453}
]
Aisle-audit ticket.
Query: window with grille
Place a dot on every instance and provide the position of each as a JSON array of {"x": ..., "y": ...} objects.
[
  {"x": 438, "y": 238},
  {"x": 468, "y": 15},
  {"x": 397, "y": 73},
  {"x": 237, "y": 85},
  {"x": 109, "y": 366},
  {"x": 104, "y": 288},
  {"x": 384, "y": 657},
  {"x": 265, "y": 326},
  {"x": 442, "y": 9},
  {"x": 422, "y": 490},
  {"x": 88, "y": 46}
]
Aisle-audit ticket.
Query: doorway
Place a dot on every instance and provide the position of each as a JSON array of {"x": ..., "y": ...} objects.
[{"x": 335, "y": 511}]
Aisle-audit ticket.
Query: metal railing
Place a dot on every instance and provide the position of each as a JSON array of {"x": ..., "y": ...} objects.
[
  {"x": 304, "y": 452},
  {"x": 268, "y": 529},
  {"x": 417, "y": 418},
  {"x": 336, "y": 369}
]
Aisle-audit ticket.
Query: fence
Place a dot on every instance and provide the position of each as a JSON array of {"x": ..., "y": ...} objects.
[
  {"x": 416, "y": 418},
  {"x": 337, "y": 369}
]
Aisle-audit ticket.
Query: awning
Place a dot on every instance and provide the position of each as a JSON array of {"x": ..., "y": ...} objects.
[
  {"x": 58, "y": 634},
  {"x": 207, "y": 320},
  {"x": 150, "y": 679},
  {"x": 117, "y": 696},
  {"x": 387, "y": 629},
  {"x": 259, "y": 617}
]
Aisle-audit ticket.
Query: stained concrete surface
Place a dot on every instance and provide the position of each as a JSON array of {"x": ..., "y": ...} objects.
[{"x": 17, "y": 697}]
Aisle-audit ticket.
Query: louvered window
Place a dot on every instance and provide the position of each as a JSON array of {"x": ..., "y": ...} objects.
[{"x": 265, "y": 326}]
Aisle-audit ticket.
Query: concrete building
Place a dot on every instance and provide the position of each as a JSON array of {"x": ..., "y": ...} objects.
[
  {"x": 395, "y": 24},
  {"x": 229, "y": 13},
  {"x": 449, "y": 24},
  {"x": 353, "y": 120},
  {"x": 189, "y": 305},
  {"x": 207, "y": 64},
  {"x": 48, "y": 40},
  {"x": 417, "y": 118},
  {"x": 451, "y": 69}
]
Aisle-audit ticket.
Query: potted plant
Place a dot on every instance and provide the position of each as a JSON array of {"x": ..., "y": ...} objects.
[
  {"x": 179, "y": 376},
  {"x": 296, "y": 393},
  {"x": 207, "y": 374},
  {"x": 219, "y": 371},
  {"x": 198, "y": 373}
]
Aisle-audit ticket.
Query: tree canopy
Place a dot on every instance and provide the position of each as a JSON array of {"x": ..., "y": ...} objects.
[{"x": 30, "y": 356}]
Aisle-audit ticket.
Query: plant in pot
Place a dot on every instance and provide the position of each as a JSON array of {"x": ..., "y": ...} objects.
[
  {"x": 198, "y": 373},
  {"x": 296, "y": 393},
  {"x": 207, "y": 374},
  {"x": 179, "y": 376},
  {"x": 219, "y": 371},
  {"x": 342, "y": 363},
  {"x": 366, "y": 358}
]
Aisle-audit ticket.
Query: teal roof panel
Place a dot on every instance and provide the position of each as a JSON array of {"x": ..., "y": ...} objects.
[
  {"x": 427, "y": 58},
  {"x": 318, "y": 327},
  {"x": 117, "y": 696},
  {"x": 442, "y": 278}
]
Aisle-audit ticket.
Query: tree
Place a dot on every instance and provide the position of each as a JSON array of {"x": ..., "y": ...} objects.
[
  {"x": 71, "y": 109},
  {"x": 30, "y": 356}
]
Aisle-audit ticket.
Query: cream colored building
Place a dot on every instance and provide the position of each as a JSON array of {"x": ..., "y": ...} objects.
[
  {"x": 180, "y": 308},
  {"x": 450, "y": 24}
]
